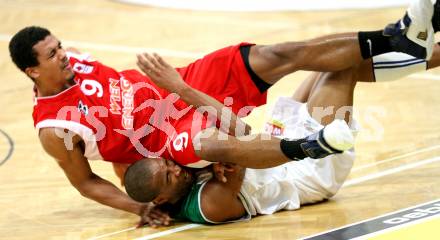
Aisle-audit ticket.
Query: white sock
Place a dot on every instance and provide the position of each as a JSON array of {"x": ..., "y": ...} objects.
[{"x": 420, "y": 30}]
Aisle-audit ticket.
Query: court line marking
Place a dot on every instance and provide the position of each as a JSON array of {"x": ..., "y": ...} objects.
[
  {"x": 392, "y": 229},
  {"x": 346, "y": 184},
  {"x": 150, "y": 236},
  {"x": 390, "y": 171},
  {"x": 121, "y": 48},
  {"x": 267, "y": 6},
  {"x": 171, "y": 231},
  {"x": 11, "y": 147},
  {"x": 112, "y": 233},
  {"x": 395, "y": 158},
  {"x": 373, "y": 218}
]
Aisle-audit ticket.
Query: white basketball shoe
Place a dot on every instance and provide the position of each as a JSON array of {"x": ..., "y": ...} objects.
[
  {"x": 333, "y": 138},
  {"x": 414, "y": 33}
]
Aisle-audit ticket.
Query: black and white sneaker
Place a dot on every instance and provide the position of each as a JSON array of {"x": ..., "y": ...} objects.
[
  {"x": 414, "y": 33},
  {"x": 332, "y": 139}
]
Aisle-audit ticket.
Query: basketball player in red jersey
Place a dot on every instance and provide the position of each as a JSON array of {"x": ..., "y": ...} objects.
[{"x": 123, "y": 116}]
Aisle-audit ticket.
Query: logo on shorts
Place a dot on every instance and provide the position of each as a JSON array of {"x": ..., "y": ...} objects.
[
  {"x": 82, "y": 68},
  {"x": 423, "y": 35},
  {"x": 275, "y": 128}
]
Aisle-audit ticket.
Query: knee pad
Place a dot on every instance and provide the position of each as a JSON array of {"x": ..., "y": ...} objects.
[{"x": 393, "y": 66}]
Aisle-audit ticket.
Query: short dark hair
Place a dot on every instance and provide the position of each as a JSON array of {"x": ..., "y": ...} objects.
[
  {"x": 22, "y": 43},
  {"x": 138, "y": 181}
]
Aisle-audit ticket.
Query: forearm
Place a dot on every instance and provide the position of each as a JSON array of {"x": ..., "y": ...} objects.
[
  {"x": 199, "y": 99},
  {"x": 80, "y": 175},
  {"x": 104, "y": 192}
]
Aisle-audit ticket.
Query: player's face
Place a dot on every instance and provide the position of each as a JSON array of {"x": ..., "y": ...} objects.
[
  {"x": 53, "y": 68},
  {"x": 174, "y": 181}
]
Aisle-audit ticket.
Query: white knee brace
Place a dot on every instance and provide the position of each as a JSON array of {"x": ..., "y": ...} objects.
[{"x": 393, "y": 66}]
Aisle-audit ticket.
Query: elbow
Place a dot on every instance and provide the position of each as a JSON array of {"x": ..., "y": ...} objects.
[
  {"x": 85, "y": 188},
  {"x": 84, "y": 194},
  {"x": 84, "y": 191}
]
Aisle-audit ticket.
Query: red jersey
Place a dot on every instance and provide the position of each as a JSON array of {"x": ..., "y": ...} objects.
[{"x": 123, "y": 117}]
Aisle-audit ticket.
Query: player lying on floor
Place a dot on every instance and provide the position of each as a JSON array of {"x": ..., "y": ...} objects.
[
  {"x": 86, "y": 110},
  {"x": 236, "y": 193}
]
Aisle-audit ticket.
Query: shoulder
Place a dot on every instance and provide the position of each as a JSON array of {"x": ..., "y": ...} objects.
[
  {"x": 211, "y": 201},
  {"x": 57, "y": 141},
  {"x": 190, "y": 207},
  {"x": 220, "y": 204}
]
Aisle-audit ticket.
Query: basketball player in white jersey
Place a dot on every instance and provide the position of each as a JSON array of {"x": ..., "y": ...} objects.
[
  {"x": 104, "y": 119},
  {"x": 236, "y": 193}
]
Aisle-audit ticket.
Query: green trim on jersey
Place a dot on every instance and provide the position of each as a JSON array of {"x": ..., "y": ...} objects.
[{"x": 191, "y": 209}]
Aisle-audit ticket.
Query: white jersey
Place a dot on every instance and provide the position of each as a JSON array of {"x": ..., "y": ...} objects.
[
  {"x": 265, "y": 191},
  {"x": 286, "y": 187}
]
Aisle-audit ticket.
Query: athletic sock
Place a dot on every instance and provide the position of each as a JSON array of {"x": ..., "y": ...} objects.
[
  {"x": 374, "y": 43},
  {"x": 436, "y": 17},
  {"x": 292, "y": 148}
]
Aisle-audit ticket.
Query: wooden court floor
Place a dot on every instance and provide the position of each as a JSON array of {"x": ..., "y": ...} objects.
[{"x": 398, "y": 149}]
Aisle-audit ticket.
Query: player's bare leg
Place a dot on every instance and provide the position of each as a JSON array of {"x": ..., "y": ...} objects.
[
  {"x": 325, "y": 54},
  {"x": 271, "y": 67},
  {"x": 305, "y": 89},
  {"x": 253, "y": 154},
  {"x": 264, "y": 151},
  {"x": 258, "y": 153},
  {"x": 342, "y": 51},
  {"x": 332, "y": 96},
  {"x": 318, "y": 91},
  {"x": 435, "y": 59}
]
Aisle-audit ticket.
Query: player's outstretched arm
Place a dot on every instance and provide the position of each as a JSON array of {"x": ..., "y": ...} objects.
[
  {"x": 77, "y": 169},
  {"x": 166, "y": 77}
]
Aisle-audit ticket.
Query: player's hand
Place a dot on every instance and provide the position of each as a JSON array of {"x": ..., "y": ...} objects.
[
  {"x": 160, "y": 72},
  {"x": 219, "y": 170},
  {"x": 152, "y": 216}
]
